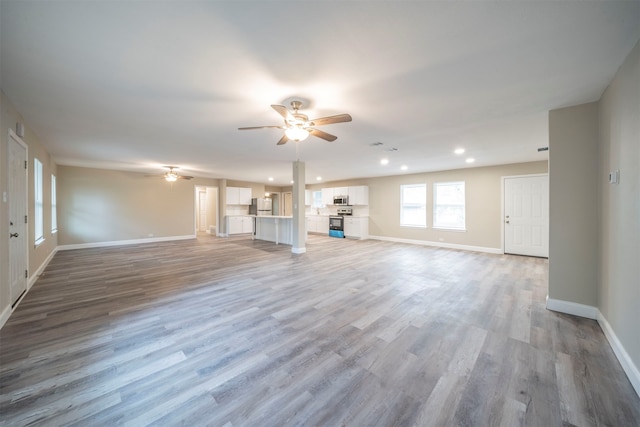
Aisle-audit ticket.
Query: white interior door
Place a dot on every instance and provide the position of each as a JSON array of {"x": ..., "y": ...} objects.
[
  {"x": 17, "y": 200},
  {"x": 526, "y": 215}
]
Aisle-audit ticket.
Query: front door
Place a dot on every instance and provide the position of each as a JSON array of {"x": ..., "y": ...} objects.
[
  {"x": 526, "y": 215},
  {"x": 17, "y": 200}
]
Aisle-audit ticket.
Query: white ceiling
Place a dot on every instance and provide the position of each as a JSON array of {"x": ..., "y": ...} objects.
[{"x": 137, "y": 85}]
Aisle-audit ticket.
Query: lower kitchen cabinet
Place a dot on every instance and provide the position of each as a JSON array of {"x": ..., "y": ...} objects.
[
  {"x": 239, "y": 224},
  {"x": 318, "y": 224},
  {"x": 357, "y": 227}
]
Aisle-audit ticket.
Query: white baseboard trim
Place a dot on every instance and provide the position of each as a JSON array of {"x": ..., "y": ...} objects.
[
  {"x": 573, "y": 308},
  {"x": 623, "y": 357},
  {"x": 4, "y": 316},
  {"x": 124, "y": 242},
  {"x": 298, "y": 250},
  {"x": 6, "y": 313},
  {"x": 594, "y": 313},
  {"x": 33, "y": 277},
  {"x": 438, "y": 244}
]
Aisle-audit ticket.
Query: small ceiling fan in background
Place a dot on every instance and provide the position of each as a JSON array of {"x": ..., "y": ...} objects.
[
  {"x": 297, "y": 126},
  {"x": 171, "y": 175}
]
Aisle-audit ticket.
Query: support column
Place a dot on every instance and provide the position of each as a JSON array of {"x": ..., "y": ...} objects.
[{"x": 299, "y": 220}]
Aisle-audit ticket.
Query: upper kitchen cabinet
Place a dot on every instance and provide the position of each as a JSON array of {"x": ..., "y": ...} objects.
[
  {"x": 341, "y": 191},
  {"x": 327, "y": 196},
  {"x": 238, "y": 196},
  {"x": 308, "y": 197},
  {"x": 358, "y": 195}
]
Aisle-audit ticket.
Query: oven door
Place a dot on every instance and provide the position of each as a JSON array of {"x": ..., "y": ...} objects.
[{"x": 336, "y": 223}]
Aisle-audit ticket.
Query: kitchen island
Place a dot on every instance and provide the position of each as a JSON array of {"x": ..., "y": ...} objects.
[{"x": 274, "y": 228}]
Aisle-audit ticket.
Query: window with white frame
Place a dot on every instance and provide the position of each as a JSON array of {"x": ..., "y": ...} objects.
[
  {"x": 413, "y": 205},
  {"x": 54, "y": 205},
  {"x": 38, "y": 221},
  {"x": 316, "y": 201},
  {"x": 449, "y": 205}
]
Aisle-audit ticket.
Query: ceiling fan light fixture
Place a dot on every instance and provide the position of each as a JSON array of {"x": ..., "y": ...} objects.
[
  {"x": 297, "y": 134},
  {"x": 171, "y": 177}
]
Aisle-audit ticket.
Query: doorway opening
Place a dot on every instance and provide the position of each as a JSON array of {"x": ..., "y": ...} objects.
[{"x": 206, "y": 209}]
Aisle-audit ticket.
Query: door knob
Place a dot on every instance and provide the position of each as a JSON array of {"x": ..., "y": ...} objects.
[{"x": 13, "y": 235}]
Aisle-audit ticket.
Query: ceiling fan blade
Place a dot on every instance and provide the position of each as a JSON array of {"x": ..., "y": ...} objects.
[
  {"x": 284, "y": 112},
  {"x": 339, "y": 118},
  {"x": 283, "y": 140},
  {"x": 323, "y": 135},
  {"x": 184, "y": 177},
  {"x": 261, "y": 127}
]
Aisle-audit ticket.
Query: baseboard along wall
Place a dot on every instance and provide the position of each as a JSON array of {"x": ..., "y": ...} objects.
[{"x": 590, "y": 312}]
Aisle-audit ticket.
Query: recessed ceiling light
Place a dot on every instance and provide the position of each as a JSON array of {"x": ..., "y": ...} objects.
[
  {"x": 318, "y": 178},
  {"x": 459, "y": 151},
  {"x": 292, "y": 181},
  {"x": 384, "y": 161},
  {"x": 470, "y": 160},
  {"x": 270, "y": 178},
  {"x": 404, "y": 167}
]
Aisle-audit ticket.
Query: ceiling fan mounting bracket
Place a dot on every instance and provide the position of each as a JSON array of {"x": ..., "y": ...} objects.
[{"x": 296, "y": 105}]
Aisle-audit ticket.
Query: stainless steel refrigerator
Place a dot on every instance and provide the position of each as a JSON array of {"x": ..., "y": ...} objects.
[{"x": 261, "y": 207}]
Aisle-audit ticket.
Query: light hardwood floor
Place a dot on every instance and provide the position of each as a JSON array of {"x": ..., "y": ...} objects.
[{"x": 235, "y": 332}]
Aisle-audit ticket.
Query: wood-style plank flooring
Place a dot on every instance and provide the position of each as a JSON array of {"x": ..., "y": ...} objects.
[{"x": 235, "y": 332}]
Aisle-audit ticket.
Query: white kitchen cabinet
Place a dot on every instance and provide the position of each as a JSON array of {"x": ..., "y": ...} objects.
[
  {"x": 308, "y": 197},
  {"x": 244, "y": 196},
  {"x": 247, "y": 224},
  {"x": 237, "y": 224},
  {"x": 357, "y": 227},
  {"x": 238, "y": 196},
  {"x": 323, "y": 224},
  {"x": 234, "y": 225},
  {"x": 359, "y": 195},
  {"x": 318, "y": 224},
  {"x": 329, "y": 193},
  {"x": 327, "y": 196},
  {"x": 340, "y": 191}
]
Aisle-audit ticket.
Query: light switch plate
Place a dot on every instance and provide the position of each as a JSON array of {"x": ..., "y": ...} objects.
[{"x": 614, "y": 177}]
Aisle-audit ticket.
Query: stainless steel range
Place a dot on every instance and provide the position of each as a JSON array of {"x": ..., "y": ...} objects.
[{"x": 336, "y": 222}]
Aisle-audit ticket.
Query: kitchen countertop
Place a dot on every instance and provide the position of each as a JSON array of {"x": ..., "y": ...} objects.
[{"x": 346, "y": 216}]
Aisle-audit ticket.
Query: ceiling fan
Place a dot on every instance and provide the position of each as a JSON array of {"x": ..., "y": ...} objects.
[
  {"x": 171, "y": 175},
  {"x": 298, "y": 127}
]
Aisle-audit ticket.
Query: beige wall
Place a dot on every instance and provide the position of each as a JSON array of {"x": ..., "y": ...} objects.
[
  {"x": 483, "y": 203},
  {"x": 619, "y": 276},
  {"x": 9, "y": 116},
  {"x": 99, "y": 205},
  {"x": 573, "y": 208}
]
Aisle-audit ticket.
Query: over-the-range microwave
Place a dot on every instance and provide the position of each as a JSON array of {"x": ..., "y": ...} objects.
[{"x": 341, "y": 200}]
